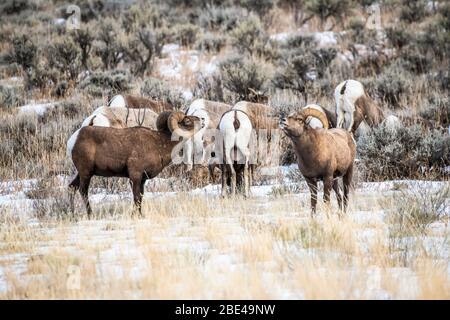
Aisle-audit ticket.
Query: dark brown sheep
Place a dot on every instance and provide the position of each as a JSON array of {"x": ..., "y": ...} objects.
[
  {"x": 322, "y": 154},
  {"x": 137, "y": 153}
]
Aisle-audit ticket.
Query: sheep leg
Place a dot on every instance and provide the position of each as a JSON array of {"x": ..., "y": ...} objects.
[
  {"x": 347, "y": 179},
  {"x": 224, "y": 179},
  {"x": 327, "y": 185},
  {"x": 233, "y": 179},
  {"x": 211, "y": 173},
  {"x": 338, "y": 193},
  {"x": 251, "y": 176},
  {"x": 246, "y": 180},
  {"x": 349, "y": 119},
  {"x": 137, "y": 193},
  {"x": 141, "y": 192},
  {"x": 232, "y": 173},
  {"x": 73, "y": 187},
  {"x": 84, "y": 191},
  {"x": 340, "y": 118},
  {"x": 312, "y": 184}
]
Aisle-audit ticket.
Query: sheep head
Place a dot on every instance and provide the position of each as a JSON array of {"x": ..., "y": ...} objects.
[
  {"x": 258, "y": 96},
  {"x": 296, "y": 123},
  {"x": 179, "y": 123}
]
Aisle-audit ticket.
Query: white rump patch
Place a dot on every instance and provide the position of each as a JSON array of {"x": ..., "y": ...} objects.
[
  {"x": 198, "y": 104},
  {"x": 118, "y": 101},
  {"x": 87, "y": 121},
  {"x": 71, "y": 143},
  {"x": 98, "y": 119},
  {"x": 101, "y": 120}
]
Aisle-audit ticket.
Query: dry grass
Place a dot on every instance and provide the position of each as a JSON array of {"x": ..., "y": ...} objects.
[{"x": 202, "y": 246}]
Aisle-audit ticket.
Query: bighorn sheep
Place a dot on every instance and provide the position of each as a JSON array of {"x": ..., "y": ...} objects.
[
  {"x": 354, "y": 106},
  {"x": 322, "y": 154},
  {"x": 209, "y": 113},
  {"x": 141, "y": 154},
  {"x": 236, "y": 128},
  {"x": 259, "y": 114},
  {"x": 135, "y": 102},
  {"x": 115, "y": 117},
  {"x": 262, "y": 119},
  {"x": 119, "y": 117}
]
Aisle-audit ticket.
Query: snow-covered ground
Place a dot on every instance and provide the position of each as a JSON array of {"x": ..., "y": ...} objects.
[
  {"x": 199, "y": 224},
  {"x": 38, "y": 108}
]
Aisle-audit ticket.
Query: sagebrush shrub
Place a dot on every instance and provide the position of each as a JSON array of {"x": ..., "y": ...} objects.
[
  {"x": 106, "y": 83},
  {"x": 65, "y": 56},
  {"x": 109, "y": 46},
  {"x": 142, "y": 16},
  {"x": 15, "y": 6},
  {"x": 161, "y": 90},
  {"x": 141, "y": 51},
  {"x": 41, "y": 77},
  {"x": 298, "y": 41},
  {"x": 211, "y": 42},
  {"x": 438, "y": 111},
  {"x": 209, "y": 87},
  {"x": 261, "y": 7},
  {"x": 436, "y": 39},
  {"x": 186, "y": 34},
  {"x": 61, "y": 89},
  {"x": 240, "y": 74},
  {"x": 249, "y": 37},
  {"x": 391, "y": 85},
  {"x": 398, "y": 36},
  {"x": 413, "y": 10},
  {"x": 10, "y": 97},
  {"x": 402, "y": 153},
  {"x": 23, "y": 51},
  {"x": 293, "y": 75},
  {"x": 84, "y": 38},
  {"x": 219, "y": 18},
  {"x": 325, "y": 9}
]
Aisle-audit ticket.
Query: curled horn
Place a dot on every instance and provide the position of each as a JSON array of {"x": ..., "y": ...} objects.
[
  {"x": 172, "y": 123},
  {"x": 253, "y": 91},
  {"x": 162, "y": 121},
  {"x": 310, "y": 112}
]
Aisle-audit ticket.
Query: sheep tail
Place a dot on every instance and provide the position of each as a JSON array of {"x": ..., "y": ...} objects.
[
  {"x": 236, "y": 122},
  {"x": 91, "y": 123},
  {"x": 343, "y": 88}
]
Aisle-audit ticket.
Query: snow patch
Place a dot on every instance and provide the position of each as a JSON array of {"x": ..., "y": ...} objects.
[
  {"x": 38, "y": 108},
  {"x": 325, "y": 39}
]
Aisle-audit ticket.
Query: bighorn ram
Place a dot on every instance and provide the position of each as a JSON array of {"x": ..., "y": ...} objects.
[
  {"x": 236, "y": 129},
  {"x": 134, "y": 102},
  {"x": 261, "y": 119},
  {"x": 209, "y": 113},
  {"x": 141, "y": 154},
  {"x": 354, "y": 106},
  {"x": 322, "y": 154}
]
